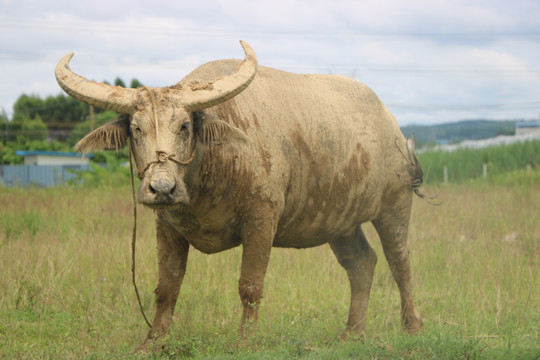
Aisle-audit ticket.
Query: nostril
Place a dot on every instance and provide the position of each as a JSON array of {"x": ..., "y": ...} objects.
[
  {"x": 160, "y": 187},
  {"x": 162, "y": 192}
]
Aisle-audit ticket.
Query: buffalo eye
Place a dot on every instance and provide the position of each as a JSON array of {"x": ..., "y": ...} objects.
[
  {"x": 185, "y": 126},
  {"x": 136, "y": 129}
]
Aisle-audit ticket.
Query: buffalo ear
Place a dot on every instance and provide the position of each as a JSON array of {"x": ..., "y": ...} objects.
[
  {"x": 111, "y": 136},
  {"x": 212, "y": 130}
]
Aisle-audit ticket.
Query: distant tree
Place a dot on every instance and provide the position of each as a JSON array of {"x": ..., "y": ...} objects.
[
  {"x": 135, "y": 84},
  {"x": 8, "y": 154},
  {"x": 25, "y": 128},
  {"x": 58, "y": 113},
  {"x": 4, "y": 124},
  {"x": 14, "y": 127},
  {"x": 64, "y": 109},
  {"x": 34, "y": 129},
  {"x": 119, "y": 82},
  {"x": 28, "y": 105}
]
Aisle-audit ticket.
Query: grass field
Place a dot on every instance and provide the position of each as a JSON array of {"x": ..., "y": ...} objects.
[{"x": 66, "y": 292}]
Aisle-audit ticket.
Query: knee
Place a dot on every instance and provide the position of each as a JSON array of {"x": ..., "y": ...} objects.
[
  {"x": 163, "y": 295},
  {"x": 251, "y": 293}
]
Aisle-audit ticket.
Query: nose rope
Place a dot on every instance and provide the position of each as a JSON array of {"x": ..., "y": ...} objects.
[
  {"x": 134, "y": 240},
  {"x": 162, "y": 156}
]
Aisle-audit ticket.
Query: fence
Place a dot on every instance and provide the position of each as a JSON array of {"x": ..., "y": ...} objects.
[
  {"x": 38, "y": 175},
  {"x": 484, "y": 171}
]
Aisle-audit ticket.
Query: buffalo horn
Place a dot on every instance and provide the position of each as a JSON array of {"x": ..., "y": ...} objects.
[
  {"x": 105, "y": 96},
  {"x": 224, "y": 88}
]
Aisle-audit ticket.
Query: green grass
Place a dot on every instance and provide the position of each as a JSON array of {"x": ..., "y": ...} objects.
[
  {"x": 66, "y": 292},
  {"x": 467, "y": 164}
]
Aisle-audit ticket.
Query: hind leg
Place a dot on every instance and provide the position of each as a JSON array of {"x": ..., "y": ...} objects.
[
  {"x": 392, "y": 226},
  {"x": 357, "y": 258}
]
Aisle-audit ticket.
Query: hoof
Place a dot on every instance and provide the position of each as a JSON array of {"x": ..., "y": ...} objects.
[
  {"x": 413, "y": 326},
  {"x": 353, "y": 334},
  {"x": 142, "y": 349}
]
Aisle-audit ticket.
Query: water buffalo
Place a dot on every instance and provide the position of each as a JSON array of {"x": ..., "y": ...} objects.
[{"x": 240, "y": 154}]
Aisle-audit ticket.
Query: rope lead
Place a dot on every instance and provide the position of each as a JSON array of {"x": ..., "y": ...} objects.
[{"x": 134, "y": 239}]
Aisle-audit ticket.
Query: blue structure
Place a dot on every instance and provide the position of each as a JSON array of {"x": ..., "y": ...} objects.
[
  {"x": 43, "y": 168},
  {"x": 526, "y": 127},
  {"x": 38, "y": 175},
  {"x": 528, "y": 124}
]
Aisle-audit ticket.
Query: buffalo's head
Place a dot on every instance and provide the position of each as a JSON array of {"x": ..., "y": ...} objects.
[{"x": 157, "y": 124}]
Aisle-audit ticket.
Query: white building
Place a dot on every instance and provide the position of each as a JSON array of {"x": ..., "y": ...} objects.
[
  {"x": 527, "y": 127},
  {"x": 53, "y": 158}
]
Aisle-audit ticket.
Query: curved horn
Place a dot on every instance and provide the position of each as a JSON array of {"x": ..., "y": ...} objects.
[
  {"x": 105, "y": 96},
  {"x": 224, "y": 88}
]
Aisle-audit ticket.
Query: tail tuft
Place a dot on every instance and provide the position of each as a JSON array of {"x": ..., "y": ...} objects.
[{"x": 415, "y": 171}]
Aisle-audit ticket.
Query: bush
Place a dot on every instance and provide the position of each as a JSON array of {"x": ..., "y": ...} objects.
[{"x": 114, "y": 171}]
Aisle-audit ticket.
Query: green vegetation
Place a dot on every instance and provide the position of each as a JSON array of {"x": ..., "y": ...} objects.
[
  {"x": 467, "y": 164},
  {"x": 66, "y": 289},
  {"x": 28, "y": 140},
  {"x": 114, "y": 172}
]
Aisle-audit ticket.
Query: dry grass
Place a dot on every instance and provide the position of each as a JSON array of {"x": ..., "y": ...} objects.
[{"x": 66, "y": 285}]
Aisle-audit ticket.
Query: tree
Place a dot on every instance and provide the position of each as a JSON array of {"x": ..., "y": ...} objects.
[
  {"x": 4, "y": 125},
  {"x": 58, "y": 113},
  {"x": 28, "y": 105},
  {"x": 34, "y": 129},
  {"x": 135, "y": 84},
  {"x": 119, "y": 82},
  {"x": 63, "y": 109}
]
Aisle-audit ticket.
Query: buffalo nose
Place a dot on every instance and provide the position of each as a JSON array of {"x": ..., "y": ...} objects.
[{"x": 162, "y": 186}]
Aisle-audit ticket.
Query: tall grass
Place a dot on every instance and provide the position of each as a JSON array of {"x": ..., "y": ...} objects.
[
  {"x": 466, "y": 164},
  {"x": 66, "y": 293}
]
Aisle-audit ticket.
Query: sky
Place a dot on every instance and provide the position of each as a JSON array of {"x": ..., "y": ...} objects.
[{"x": 430, "y": 61}]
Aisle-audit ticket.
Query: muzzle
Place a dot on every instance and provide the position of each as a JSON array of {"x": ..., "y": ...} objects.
[{"x": 161, "y": 188}]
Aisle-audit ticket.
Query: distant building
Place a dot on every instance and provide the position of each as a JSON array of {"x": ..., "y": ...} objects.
[
  {"x": 44, "y": 169},
  {"x": 53, "y": 158},
  {"x": 527, "y": 127}
]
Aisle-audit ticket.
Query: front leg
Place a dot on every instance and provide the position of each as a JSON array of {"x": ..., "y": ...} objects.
[
  {"x": 172, "y": 259},
  {"x": 258, "y": 232}
]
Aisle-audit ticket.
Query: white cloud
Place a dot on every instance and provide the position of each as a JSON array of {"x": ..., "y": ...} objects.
[{"x": 439, "y": 58}]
